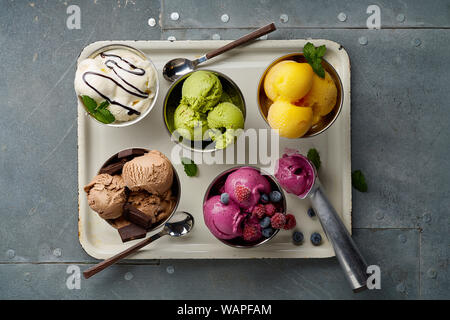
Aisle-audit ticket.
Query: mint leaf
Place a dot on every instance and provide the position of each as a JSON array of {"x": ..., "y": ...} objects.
[
  {"x": 89, "y": 103},
  {"x": 359, "y": 181},
  {"x": 103, "y": 105},
  {"x": 320, "y": 51},
  {"x": 314, "y": 56},
  {"x": 314, "y": 157},
  {"x": 103, "y": 115},
  {"x": 98, "y": 112},
  {"x": 189, "y": 167},
  {"x": 308, "y": 50}
]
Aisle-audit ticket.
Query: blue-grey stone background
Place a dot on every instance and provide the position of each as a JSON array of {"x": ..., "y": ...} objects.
[{"x": 400, "y": 140}]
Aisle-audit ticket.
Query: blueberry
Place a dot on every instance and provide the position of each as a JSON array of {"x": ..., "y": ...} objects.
[
  {"x": 224, "y": 198},
  {"x": 297, "y": 237},
  {"x": 316, "y": 239},
  {"x": 267, "y": 232},
  {"x": 311, "y": 212},
  {"x": 275, "y": 196},
  {"x": 264, "y": 223},
  {"x": 264, "y": 198}
]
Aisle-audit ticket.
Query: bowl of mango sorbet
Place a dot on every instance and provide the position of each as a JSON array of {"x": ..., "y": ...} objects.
[{"x": 293, "y": 99}]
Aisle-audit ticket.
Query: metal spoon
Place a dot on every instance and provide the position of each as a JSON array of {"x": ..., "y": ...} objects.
[
  {"x": 179, "y": 225},
  {"x": 175, "y": 68}
]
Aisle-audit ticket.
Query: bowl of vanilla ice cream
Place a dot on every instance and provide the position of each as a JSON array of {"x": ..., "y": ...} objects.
[{"x": 117, "y": 85}]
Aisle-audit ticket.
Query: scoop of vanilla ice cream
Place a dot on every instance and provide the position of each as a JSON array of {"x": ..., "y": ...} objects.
[{"x": 107, "y": 77}]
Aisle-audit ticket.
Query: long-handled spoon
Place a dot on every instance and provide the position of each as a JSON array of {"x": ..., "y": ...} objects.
[
  {"x": 179, "y": 225},
  {"x": 175, "y": 68}
]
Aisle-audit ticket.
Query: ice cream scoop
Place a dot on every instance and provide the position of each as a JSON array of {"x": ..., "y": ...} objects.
[
  {"x": 190, "y": 124},
  {"x": 290, "y": 120},
  {"x": 201, "y": 91},
  {"x": 246, "y": 178},
  {"x": 297, "y": 175},
  {"x": 223, "y": 220},
  {"x": 322, "y": 96},
  {"x": 106, "y": 195},
  {"x": 288, "y": 80},
  {"x": 151, "y": 172},
  {"x": 225, "y": 116}
]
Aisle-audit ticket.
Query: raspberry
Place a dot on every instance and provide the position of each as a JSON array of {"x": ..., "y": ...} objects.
[
  {"x": 242, "y": 193},
  {"x": 290, "y": 222},
  {"x": 278, "y": 220},
  {"x": 252, "y": 232},
  {"x": 259, "y": 211},
  {"x": 270, "y": 209}
]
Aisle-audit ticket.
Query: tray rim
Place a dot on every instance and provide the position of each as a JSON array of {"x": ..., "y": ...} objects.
[{"x": 211, "y": 44}]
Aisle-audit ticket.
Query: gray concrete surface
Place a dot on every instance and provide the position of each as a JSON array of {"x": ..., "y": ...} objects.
[{"x": 400, "y": 134}]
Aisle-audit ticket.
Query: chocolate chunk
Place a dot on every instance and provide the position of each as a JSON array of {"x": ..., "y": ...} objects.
[
  {"x": 130, "y": 152},
  {"x": 132, "y": 232},
  {"x": 136, "y": 216},
  {"x": 114, "y": 168}
]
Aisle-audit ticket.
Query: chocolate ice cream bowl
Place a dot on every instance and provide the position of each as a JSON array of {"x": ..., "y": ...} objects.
[
  {"x": 172, "y": 100},
  {"x": 264, "y": 102},
  {"x": 152, "y": 103},
  {"x": 213, "y": 189},
  {"x": 176, "y": 188}
]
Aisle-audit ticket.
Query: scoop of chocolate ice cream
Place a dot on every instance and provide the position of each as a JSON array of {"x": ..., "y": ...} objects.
[
  {"x": 151, "y": 172},
  {"x": 106, "y": 195},
  {"x": 158, "y": 207}
]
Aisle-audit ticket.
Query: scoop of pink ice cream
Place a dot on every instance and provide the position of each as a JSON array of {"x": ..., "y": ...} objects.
[
  {"x": 223, "y": 220},
  {"x": 295, "y": 174},
  {"x": 251, "y": 179}
]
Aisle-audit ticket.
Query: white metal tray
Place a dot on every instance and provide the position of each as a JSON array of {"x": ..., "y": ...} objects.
[{"x": 244, "y": 65}]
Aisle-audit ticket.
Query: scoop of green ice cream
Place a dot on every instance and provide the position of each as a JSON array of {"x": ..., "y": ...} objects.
[
  {"x": 201, "y": 91},
  {"x": 190, "y": 124},
  {"x": 225, "y": 116}
]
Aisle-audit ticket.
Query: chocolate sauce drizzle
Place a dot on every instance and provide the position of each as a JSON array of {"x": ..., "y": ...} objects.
[{"x": 111, "y": 64}]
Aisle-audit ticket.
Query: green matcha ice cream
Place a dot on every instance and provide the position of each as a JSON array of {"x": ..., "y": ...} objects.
[
  {"x": 190, "y": 124},
  {"x": 201, "y": 91},
  {"x": 225, "y": 116}
]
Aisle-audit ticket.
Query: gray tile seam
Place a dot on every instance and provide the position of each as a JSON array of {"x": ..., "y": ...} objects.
[
  {"x": 306, "y": 28},
  {"x": 388, "y": 228},
  {"x": 156, "y": 263}
]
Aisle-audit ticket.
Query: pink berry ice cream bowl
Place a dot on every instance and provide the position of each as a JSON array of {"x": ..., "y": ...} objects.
[{"x": 236, "y": 203}]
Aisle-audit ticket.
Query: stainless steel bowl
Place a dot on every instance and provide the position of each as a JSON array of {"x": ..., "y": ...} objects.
[
  {"x": 173, "y": 98},
  {"x": 176, "y": 189},
  {"x": 213, "y": 190},
  {"x": 264, "y": 102},
  {"x": 152, "y": 103}
]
